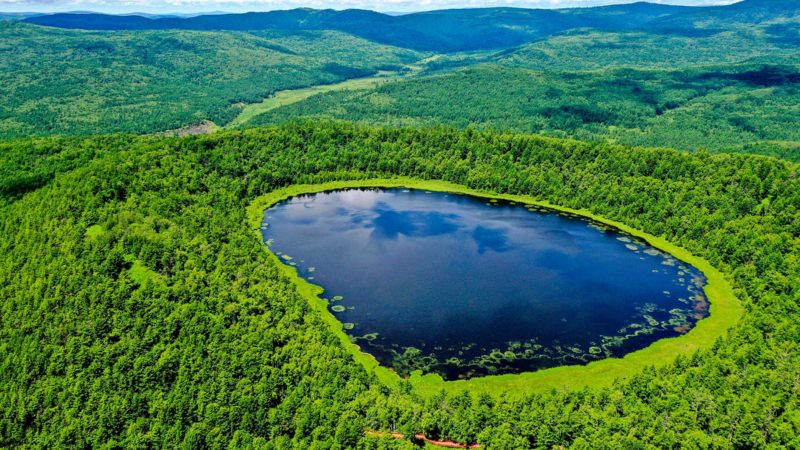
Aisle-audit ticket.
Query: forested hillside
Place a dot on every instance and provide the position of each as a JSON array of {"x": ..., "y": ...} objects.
[
  {"x": 451, "y": 30},
  {"x": 731, "y": 89},
  {"x": 593, "y": 50},
  {"x": 626, "y": 73},
  {"x": 456, "y": 30},
  {"x": 140, "y": 310},
  {"x": 742, "y": 108},
  {"x": 761, "y": 13},
  {"x": 75, "y": 82}
]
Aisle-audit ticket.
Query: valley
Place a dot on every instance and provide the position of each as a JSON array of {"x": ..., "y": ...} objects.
[{"x": 281, "y": 99}]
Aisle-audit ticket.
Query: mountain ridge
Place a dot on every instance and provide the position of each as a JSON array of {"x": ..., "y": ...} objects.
[{"x": 448, "y": 30}]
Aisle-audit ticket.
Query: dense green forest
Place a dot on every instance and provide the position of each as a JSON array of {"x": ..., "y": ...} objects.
[
  {"x": 719, "y": 108},
  {"x": 733, "y": 91},
  {"x": 78, "y": 82},
  {"x": 140, "y": 310},
  {"x": 592, "y": 50},
  {"x": 638, "y": 74}
]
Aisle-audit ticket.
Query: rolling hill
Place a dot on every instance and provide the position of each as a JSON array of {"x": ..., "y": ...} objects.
[
  {"x": 440, "y": 31},
  {"x": 161, "y": 73},
  {"x": 747, "y": 12},
  {"x": 722, "y": 109},
  {"x": 77, "y": 82},
  {"x": 467, "y": 29}
]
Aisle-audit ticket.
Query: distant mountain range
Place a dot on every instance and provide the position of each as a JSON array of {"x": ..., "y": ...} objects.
[
  {"x": 451, "y": 30},
  {"x": 18, "y": 15},
  {"x": 748, "y": 12}
]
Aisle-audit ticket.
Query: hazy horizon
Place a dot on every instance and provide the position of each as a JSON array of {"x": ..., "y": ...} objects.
[{"x": 164, "y": 7}]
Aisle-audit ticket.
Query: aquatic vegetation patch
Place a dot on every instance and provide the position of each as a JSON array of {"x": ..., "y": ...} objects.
[{"x": 530, "y": 353}]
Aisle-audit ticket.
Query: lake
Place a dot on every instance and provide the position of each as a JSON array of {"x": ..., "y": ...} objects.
[{"x": 465, "y": 286}]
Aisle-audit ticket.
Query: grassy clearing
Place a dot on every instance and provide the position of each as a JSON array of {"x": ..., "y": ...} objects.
[
  {"x": 287, "y": 97},
  {"x": 141, "y": 273},
  {"x": 725, "y": 309},
  {"x": 95, "y": 231}
]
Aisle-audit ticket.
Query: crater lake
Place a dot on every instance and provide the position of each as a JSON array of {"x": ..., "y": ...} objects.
[{"x": 465, "y": 286}]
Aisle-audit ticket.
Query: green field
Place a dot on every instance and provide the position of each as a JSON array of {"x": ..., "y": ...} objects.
[{"x": 290, "y": 96}]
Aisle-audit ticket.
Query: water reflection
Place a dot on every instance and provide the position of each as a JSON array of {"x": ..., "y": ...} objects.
[
  {"x": 487, "y": 238},
  {"x": 390, "y": 223},
  {"x": 464, "y": 287}
]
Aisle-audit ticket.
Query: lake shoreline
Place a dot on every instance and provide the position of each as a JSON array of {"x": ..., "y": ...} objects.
[{"x": 725, "y": 309}]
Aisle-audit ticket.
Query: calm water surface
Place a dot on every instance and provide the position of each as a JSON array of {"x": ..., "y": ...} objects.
[{"x": 463, "y": 286}]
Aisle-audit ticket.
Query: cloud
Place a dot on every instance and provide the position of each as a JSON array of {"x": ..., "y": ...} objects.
[{"x": 122, "y": 6}]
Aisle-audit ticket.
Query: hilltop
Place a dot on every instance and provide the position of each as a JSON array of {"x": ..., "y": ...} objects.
[{"x": 441, "y": 31}]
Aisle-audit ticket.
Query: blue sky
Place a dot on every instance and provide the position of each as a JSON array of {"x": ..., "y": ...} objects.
[{"x": 191, "y": 6}]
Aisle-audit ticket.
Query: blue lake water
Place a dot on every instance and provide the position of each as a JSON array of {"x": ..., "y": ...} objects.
[{"x": 464, "y": 286}]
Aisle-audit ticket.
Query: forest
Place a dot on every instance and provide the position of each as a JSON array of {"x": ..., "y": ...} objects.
[
  {"x": 150, "y": 316},
  {"x": 140, "y": 308},
  {"x": 83, "y": 83},
  {"x": 730, "y": 108},
  {"x": 727, "y": 84}
]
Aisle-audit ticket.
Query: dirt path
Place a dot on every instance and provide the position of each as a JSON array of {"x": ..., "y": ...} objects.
[
  {"x": 419, "y": 437},
  {"x": 203, "y": 127}
]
